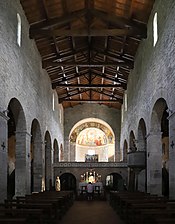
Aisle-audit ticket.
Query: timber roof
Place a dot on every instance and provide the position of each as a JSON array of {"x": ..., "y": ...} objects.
[{"x": 88, "y": 46}]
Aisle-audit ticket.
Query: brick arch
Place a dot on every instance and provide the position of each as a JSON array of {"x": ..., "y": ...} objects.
[{"x": 18, "y": 149}]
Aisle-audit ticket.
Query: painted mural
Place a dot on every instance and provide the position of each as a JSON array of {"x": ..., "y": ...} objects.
[
  {"x": 99, "y": 140},
  {"x": 92, "y": 137}
]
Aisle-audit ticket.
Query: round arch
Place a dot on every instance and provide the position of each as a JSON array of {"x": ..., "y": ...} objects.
[
  {"x": 93, "y": 135},
  {"x": 115, "y": 182},
  {"x": 91, "y": 122},
  {"x": 68, "y": 182},
  {"x": 17, "y": 150},
  {"x": 158, "y": 144}
]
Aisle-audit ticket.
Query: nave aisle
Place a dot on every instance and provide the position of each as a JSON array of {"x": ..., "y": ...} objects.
[{"x": 91, "y": 212}]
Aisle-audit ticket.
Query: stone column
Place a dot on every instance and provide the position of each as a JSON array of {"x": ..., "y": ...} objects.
[
  {"x": 23, "y": 164},
  {"x": 172, "y": 156},
  {"x": 3, "y": 156},
  {"x": 52, "y": 169},
  {"x": 66, "y": 150},
  {"x": 48, "y": 166},
  {"x": 37, "y": 166},
  {"x": 117, "y": 151},
  {"x": 154, "y": 163},
  {"x": 72, "y": 151}
]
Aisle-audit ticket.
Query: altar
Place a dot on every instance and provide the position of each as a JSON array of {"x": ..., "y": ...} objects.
[
  {"x": 98, "y": 187},
  {"x": 93, "y": 177}
]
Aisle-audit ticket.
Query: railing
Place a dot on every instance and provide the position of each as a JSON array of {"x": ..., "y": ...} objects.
[{"x": 88, "y": 164}]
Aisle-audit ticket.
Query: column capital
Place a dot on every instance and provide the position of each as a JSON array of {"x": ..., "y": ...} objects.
[
  {"x": 151, "y": 133},
  {"x": 23, "y": 132},
  {"x": 171, "y": 115}
]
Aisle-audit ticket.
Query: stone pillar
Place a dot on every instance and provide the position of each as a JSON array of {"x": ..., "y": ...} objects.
[
  {"x": 37, "y": 166},
  {"x": 172, "y": 156},
  {"x": 3, "y": 156},
  {"x": 117, "y": 151},
  {"x": 48, "y": 166},
  {"x": 154, "y": 163},
  {"x": 66, "y": 151},
  {"x": 23, "y": 164},
  {"x": 43, "y": 188},
  {"x": 72, "y": 151},
  {"x": 52, "y": 169}
]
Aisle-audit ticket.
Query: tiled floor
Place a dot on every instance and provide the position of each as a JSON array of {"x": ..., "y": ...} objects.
[{"x": 91, "y": 212}]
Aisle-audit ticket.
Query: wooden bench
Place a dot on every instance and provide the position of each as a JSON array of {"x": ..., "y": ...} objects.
[
  {"x": 12, "y": 220},
  {"x": 31, "y": 215}
]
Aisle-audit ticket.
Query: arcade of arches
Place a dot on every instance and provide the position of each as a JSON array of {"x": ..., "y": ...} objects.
[{"x": 128, "y": 148}]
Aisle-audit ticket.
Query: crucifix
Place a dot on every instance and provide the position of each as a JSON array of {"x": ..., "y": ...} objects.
[
  {"x": 3, "y": 146},
  {"x": 172, "y": 144}
]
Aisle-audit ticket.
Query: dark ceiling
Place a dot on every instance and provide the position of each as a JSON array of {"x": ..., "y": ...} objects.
[{"x": 88, "y": 46}]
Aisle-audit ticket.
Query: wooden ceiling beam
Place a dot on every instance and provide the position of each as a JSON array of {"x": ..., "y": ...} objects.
[
  {"x": 55, "y": 82},
  {"x": 55, "y": 22},
  {"x": 86, "y": 86},
  {"x": 61, "y": 99},
  {"x": 102, "y": 75},
  {"x": 109, "y": 95},
  {"x": 123, "y": 85},
  {"x": 91, "y": 101},
  {"x": 84, "y": 32},
  {"x": 80, "y": 92},
  {"x": 139, "y": 28},
  {"x": 46, "y": 64},
  {"x": 115, "y": 57}
]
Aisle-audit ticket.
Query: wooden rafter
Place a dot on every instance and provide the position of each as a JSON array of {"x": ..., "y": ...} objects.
[
  {"x": 91, "y": 101},
  {"x": 82, "y": 64},
  {"x": 55, "y": 22}
]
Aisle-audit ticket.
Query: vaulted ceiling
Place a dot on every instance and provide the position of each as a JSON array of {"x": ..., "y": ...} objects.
[{"x": 88, "y": 46}]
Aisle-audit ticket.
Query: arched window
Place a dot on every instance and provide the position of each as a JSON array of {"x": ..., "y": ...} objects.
[
  {"x": 125, "y": 101},
  {"x": 122, "y": 113},
  {"x": 155, "y": 30},
  {"x": 19, "y": 26},
  {"x": 53, "y": 102}
]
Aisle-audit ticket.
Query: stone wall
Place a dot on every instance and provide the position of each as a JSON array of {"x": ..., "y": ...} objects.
[
  {"x": 111, "y": 116},
  {"x": 153, "y": 78},
  {"x": 23, "y": 78}
]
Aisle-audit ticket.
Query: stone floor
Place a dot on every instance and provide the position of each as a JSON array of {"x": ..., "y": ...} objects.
[{"x": 91, "y": 212}]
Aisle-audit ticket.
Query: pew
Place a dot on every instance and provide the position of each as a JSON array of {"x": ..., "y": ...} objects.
[
  {"x": 12, "y": 220},
  {"x": 136, "y": 208},
  {"x": 30, "y": 215},
  {"x": 42, "y": 207}
]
